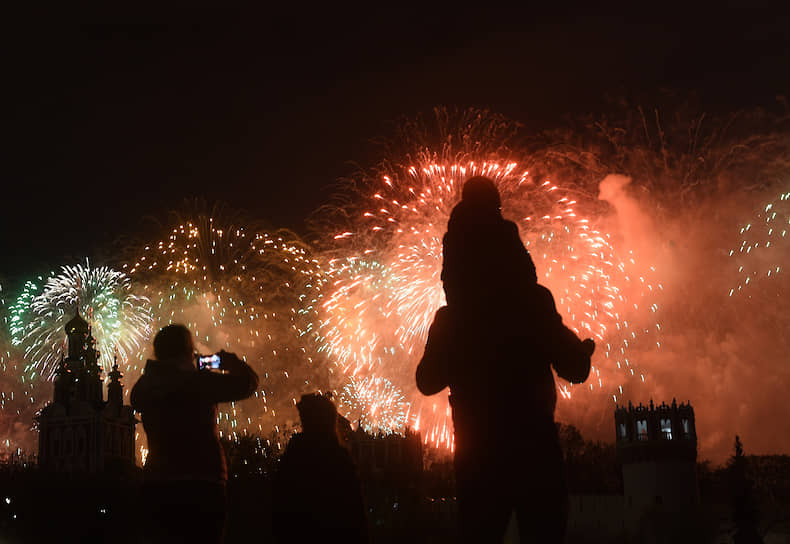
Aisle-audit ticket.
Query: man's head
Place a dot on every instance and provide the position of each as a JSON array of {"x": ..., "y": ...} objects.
[
  {"x": 318, "y": 414},
  {"x": 173, "y": 343},
  {"x": 481, "y": 193}
]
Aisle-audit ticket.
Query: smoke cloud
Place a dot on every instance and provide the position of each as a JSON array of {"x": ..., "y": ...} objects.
[{"x": 722, "y": 312}]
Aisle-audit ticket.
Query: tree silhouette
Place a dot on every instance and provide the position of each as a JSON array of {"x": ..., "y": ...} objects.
[{"x": 744, "y": 507}]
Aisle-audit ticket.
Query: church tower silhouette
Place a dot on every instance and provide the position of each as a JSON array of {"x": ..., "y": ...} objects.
[
  {"x": 78, "y": 430},
  {"x": 657, "y": 450}
]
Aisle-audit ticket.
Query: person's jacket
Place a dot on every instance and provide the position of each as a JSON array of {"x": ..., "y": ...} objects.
[
  {"x": 179, "y": 413},
  {"x": 498, "y": 366},
  {"x": 317, "y": 493}
]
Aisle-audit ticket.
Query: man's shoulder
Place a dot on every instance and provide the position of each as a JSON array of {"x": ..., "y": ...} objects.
[
  {"x": 154, "y": 369},
  {"x": 509, "y": 234},
  {"x": 149, "y": 373},
  {"x": 443, "y": 318},
  {"x": 543, "y": 290},
  {"x": 442, "y": 313},
  {"x": 310, "y": 450},
  {"x": 161, "y": 377},
  {"x": 509, "y": 225},
  {"x": 542, "y": 296}
]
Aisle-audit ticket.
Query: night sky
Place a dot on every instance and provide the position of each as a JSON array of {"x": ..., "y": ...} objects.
[{"x": 106, "y": 123}]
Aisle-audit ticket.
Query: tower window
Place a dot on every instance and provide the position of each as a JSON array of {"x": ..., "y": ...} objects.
[
  {"x": 686, "y": 429},
  {"x": 641, "y": 429},
  {"x": 666, "y": 428},
  {"x": 621, "y": 430}
]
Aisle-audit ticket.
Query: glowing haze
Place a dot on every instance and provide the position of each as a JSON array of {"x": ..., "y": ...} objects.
[
  {"x": 679, "y": 276},
  {"x": 384, "y": 290},
  {"x": 237, "y": 287}
]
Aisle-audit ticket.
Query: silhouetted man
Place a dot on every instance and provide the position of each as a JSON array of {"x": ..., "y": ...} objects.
[
  {"x": 185, "y": 471},
  {"x": 494, "y": 345},
  {"x": 317, "y": 496}
]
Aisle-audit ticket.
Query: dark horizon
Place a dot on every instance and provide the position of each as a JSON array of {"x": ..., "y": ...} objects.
[{"x": 110, "y": 123}]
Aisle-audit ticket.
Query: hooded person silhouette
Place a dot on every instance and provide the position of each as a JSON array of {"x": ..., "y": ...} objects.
[
  {"x": 494, "y": 345},
  {"x": 318, "y": 497}
]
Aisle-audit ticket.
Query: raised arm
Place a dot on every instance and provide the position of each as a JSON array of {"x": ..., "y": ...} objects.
[
  {"x": 434, "y": 368},
  {"x": 238, "y": 382},
  {"x": 569, "y": 355}
]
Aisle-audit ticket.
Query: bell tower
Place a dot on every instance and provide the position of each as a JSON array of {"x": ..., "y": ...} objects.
[
  {"x": 115, "y": 387},
  {"x": 77, "y": 330},
  {"x": 78, "y": 430},
  {"x": 657, "y": 450}
]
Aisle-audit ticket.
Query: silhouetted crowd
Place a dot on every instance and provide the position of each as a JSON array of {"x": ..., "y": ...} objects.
[{"x": 493, "y": 345}]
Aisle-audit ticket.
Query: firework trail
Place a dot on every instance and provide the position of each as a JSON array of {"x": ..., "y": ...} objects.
[
  {"x": 384, "y": 280},
  {"x": 120, "y": 318},
  {"x": 764, "y": 245},
  {"x": 237, "y": 287},
  {"x": 359, "y": 329},
  {"x": 19, "y": 395}
]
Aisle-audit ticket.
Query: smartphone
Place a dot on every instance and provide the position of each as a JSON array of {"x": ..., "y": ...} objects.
[{"x": 208, "y": 362}]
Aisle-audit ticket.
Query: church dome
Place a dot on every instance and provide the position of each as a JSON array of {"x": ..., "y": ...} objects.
[{"x": 77, "y": 324}]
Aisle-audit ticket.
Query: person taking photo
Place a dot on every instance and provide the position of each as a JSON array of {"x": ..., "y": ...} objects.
[{"x": 185, "y": 472}]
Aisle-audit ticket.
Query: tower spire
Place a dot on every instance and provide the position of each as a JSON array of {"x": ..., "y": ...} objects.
[
  {"x": 115, "y": 387},
  {"x": 78, "y": 407}
]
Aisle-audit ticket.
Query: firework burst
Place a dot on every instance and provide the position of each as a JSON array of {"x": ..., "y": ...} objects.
[
  {"x": 375, "y": 403},
  {"x": 237, "y": 287},
  {"x": 120, "y": 318},
  {"x": 381, "y": 297},
  {"x": 19, "y": 399}
]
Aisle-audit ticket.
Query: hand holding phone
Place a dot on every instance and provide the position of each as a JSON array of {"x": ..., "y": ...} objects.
[
  {"x": 229, "y": 361},
  {"x": 208, "y": 362}
]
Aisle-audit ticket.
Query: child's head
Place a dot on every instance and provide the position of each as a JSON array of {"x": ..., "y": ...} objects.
[
  {"x": 318, "y": 414},
  {"x": 480, "y": 203},
  {"x": 481, "y": 193},
  {"x": 481, "y": 251}
]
